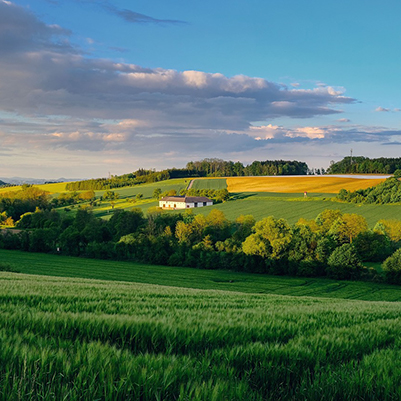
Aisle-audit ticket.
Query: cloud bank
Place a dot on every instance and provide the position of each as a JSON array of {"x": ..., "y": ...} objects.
[{"x": 54, "y": 96}]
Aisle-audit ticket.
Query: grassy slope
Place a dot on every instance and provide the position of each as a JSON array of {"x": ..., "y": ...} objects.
[
  {"x": 292, "y": 208},
  {"x": 80, "y": 339},
  {"x": 209, "y": 183},
  {"x": 129, "y": 193},
  {"x": 63, "y": 266}
]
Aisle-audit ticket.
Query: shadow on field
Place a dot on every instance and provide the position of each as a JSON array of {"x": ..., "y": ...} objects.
[{"x": 241, "y": 195}]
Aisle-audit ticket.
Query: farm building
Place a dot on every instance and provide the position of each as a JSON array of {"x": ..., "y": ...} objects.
[{"x": 184, "y": 202}]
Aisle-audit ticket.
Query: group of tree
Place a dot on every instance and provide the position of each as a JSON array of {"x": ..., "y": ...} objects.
[
  {"x": 217, "y": 195},
  {"x": 73, "y": 197},
  {"x": 388, "y": 191},
  {"x": 222, "y": 168},
  {"x": 333, "y": 245},
  {"x": 27, "y": 199},
  {"x": 203, "y": 168},
  {"x": 364, "y": 165}
]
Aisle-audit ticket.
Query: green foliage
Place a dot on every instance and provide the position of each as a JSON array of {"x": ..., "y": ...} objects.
[
  {"x": 156, "y": 193},
  {"x": 28, "y": 199},
  {"x": 364, "y": 165},
  {"x": 397, "y": 173},
  {"x": 372, "y": 246},
  {"x": 388, "y": 191},
  {"x": 344, "y": 263},
  {"x": 277, "y": 232},
  {"x": 221, "y": 168},
  {"x": 392, "y": 267}
]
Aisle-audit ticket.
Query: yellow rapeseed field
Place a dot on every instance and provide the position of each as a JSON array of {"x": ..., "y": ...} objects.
[{"x": 320, "y": 184}]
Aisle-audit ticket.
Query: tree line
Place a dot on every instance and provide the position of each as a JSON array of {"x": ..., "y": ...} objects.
[
  {"x": 364, "y": 165},
  {"x": 388, "y": 191},
  {"x": 15, "y": 203},
  {"x": 203, "y": 168},
  {"x": 332, "y": 245},
  {"x": 222, "y": 168}
]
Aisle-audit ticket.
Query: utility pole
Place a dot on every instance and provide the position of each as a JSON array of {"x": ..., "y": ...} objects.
[{"x": 351, "y": 156}]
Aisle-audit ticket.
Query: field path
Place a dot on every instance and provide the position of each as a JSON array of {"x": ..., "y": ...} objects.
[{"x": 190, "y": 185}]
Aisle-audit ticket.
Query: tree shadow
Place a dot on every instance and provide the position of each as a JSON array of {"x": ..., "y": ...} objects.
[{"x": 241, "y": 195}]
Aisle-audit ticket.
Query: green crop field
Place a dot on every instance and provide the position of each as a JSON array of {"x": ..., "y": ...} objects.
[
  {"x": 209, "y": 183},
  {"x": 78, "y": 339},
  {"x": 147, "y": 189},
  {"x": 292, "y": 207},
  {"x": 127, "y": 196},
  {"x": 64, "y": 266}
]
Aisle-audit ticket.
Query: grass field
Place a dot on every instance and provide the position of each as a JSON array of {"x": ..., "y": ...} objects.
[
  {"x": 320, "y": 184},
  {"x": 77, "y": 339},
  {"x": 209, "y": 183},
  {"x": 63, "y": 266},
  {"x": 292, "y": 208},
  {"x": 128, "y": 194}
]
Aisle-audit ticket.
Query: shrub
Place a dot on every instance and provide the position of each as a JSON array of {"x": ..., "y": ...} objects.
[
  {"x": 392, "y": 267},
  {"x": 344, "y": 263}
]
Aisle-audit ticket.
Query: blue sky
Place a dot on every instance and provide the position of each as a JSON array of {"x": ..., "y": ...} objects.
[{"x": 96, "y": 86}]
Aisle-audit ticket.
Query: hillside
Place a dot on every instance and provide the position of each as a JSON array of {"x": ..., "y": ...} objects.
[
  {"x": 365, "y": 165},
  {"x": 319, "y": 184},
  {"x": 157, "y": 342},
  {"x": 63, "y": 266}
]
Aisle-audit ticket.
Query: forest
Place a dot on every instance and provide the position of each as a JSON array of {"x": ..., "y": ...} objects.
[
  {"x": 364, "y": 165},
  {"x": 388, "y": 191},
  {"x": 203, "y": 168}
]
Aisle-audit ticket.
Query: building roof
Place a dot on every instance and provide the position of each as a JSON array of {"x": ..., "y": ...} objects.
[{"x": 186, "y": 199}]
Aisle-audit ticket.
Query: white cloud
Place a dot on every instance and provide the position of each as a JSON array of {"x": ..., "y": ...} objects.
[{"x": 52, "y": 96}]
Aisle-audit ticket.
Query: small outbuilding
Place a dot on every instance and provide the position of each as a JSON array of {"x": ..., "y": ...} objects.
[{"x": 184, "y": 202}]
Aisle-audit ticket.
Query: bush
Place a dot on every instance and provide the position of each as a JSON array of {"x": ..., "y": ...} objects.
[
  {"x": 6, "y": 267},
  {"x": 392, "y": 268},
  {"x": 344, "y": 263}
]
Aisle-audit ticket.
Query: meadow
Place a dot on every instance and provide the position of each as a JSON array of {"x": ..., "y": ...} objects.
[
  {"x": 66, "y": 266},
  {"x": 272, "y": 196},
  {"x": 209, "y": 183},
  {"x": 78, "y": 339},
  {"x": 294, "y": 206}
]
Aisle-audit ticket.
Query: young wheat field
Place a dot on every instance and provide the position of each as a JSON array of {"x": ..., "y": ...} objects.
[{"x": 77, "y": 339}]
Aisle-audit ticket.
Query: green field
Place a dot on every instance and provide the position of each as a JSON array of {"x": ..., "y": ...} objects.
[
  {"x": 128, "y": 194},
  {"x": 77, "y": 339},
  {"x": 292, "y": 207},
  {"x": 210, "y": 183},
  {"x": 64, "y": 266},
  {"x": 259, "y": 204}
]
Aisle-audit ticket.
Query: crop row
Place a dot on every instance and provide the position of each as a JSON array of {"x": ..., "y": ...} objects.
[{"x": 81, "y": 339}]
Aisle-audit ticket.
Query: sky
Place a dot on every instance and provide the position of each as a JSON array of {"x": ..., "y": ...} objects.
[{"x": 90, "y": 88}]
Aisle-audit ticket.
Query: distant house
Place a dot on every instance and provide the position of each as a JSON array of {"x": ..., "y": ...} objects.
[{"x": 184, "y": 202}]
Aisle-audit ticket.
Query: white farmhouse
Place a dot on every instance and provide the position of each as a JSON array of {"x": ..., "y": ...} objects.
[{"x": 184, "y": 202}]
